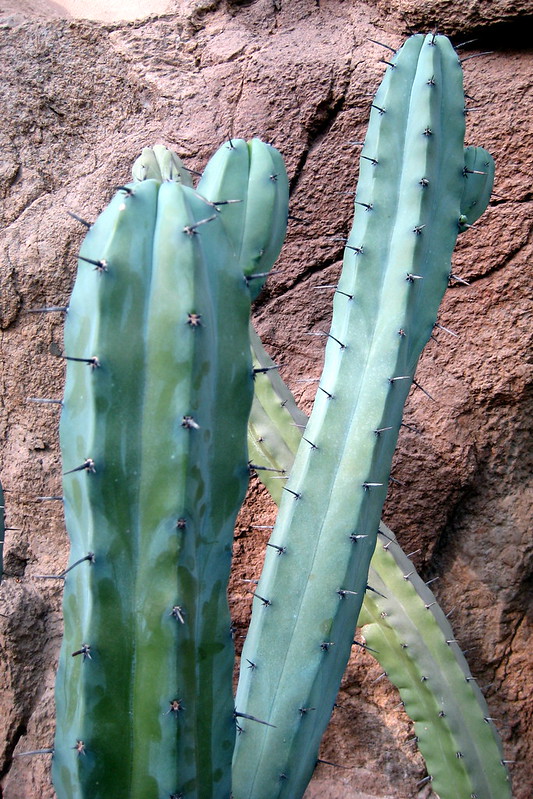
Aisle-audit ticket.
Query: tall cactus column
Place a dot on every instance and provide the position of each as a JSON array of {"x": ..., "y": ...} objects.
[
  {"x": 153, "y": 436},
  {"x": 396, "y": 269},
  {"x": 402, "y": 623}
]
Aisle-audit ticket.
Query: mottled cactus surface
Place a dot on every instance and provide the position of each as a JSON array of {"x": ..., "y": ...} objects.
[
  {"x": 404, "y": 627},
  {"x": 153, "y": 438},
  {"x": 396, "y": 269}
]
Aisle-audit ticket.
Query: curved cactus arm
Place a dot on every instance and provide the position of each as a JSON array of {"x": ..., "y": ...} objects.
[
  {"x": 414, "y": 642},
  {"x": 249, "y": 180},
  {"x": 154, "y": 449},
  {"x": 395, "y": 272},
  {"x": 479, "y": 174},
  {"x": 2, "y": 532},
  {"x": 398, "y": 623},
  {"x": 160, "y": 163}
]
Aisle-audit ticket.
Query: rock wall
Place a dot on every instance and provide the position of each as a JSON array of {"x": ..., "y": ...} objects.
[{"x": 79, "y": 101}]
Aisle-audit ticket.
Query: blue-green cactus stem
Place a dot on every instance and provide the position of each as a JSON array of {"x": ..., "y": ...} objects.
[
  {"x": 395, "y": 271},
  {"x": 412, "y": 639},
  {"x": 275, "y": 424},
  {"x": 153, "y": 437},
  {"x": 404, "y": 627},
  {"x": 160, "y": 163},
  {"x": 249, "y": 181}
]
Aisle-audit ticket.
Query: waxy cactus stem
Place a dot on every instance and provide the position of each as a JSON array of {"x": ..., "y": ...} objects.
[
  {"x": 153, "y": 439},
  {"x": 413, "y": 641},
  {"x": 382, "y": 318},
  {"x": 404, "y": 628}
]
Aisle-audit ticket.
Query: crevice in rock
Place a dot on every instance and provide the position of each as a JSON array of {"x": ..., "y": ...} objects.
[
  {"x": 499, "y": 199},
  {"x": 449, "y": 538},
  {"x": 499, "y": 267},
  {"x": 11, "y": 744},
  {"x": 327, "y": 112},
  {"x": 284, "y": 289},
  {"x": 511, "y": 34}
]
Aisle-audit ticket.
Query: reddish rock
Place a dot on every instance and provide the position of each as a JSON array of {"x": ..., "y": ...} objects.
[{"x": 79, "y": 101}]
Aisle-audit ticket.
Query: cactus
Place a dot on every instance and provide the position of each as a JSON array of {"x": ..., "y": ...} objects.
[
  {"x": 153, "y": 438},
  {"x": 414, "y": 642},
  {"x": 396, "y": 269},
  {"x": 251, "y": 177},
  {"x": 275, "y": 423},
  {"x": 404, "y": 627}
]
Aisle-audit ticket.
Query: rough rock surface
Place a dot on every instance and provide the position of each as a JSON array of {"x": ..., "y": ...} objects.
[{"x": 79, "y": 101}]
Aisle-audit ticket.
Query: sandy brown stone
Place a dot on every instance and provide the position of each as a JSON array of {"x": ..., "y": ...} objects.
[
  {"x": 80, "y": 99},
  {"x": 452, "y": 19}
]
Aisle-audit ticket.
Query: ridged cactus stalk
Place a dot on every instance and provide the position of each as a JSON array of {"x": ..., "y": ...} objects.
[
  {"x": 404, "y": 628},
  {"x": 409, "y": 209},
  {"x": 153, "y": 438},
  {"x": 252, "y": 179},
  {"x": 412, "y": 639}
]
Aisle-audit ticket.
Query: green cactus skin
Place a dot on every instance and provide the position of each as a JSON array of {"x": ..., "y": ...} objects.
[
  {"x": 2, "y": 532},
  {"x": 250, "y": 177},
  {"x": 156, "y": 471},
  {"x": 395, "y": 271},
  {"x": 406, "y": 630},
  {"x": 479, "y": 173},
  {"x": 414, "y": 642},
  {"x": 249, "y": 181}
]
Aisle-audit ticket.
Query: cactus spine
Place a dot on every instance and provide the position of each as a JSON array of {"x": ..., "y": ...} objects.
[
  {"x": 153, "y": 437},
  {"x": 396, "y": 269}
]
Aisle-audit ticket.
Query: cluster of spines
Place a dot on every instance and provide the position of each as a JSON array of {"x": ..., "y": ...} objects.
[{"x": 404, "y": 628}]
